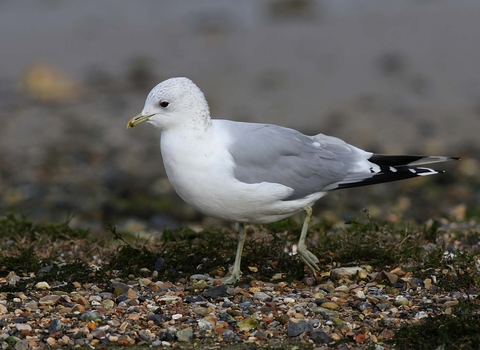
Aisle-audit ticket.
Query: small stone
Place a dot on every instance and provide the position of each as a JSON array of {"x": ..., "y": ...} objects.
[
  {"x": 108, "y": 304},
  {"x": 24, "y": 328},
  {"x": 427, "y": 283},
  {"x": 50, "y": 300},
  {"x": 193, "y": 299},
  {"x": 158, "y": 319},
  {"x": 320, "y": 337},
  {"x": 345, "y": 272},
  {"x": 400, "y": 300},
  {"x": 185, "y": 335},
  {"x": 248, "y": 324},
  {"x": 123, "y": 327},
  {"x": 360, "y": 338},
  {"x": 42, "y": 286},
  {"x": 131, "y": 294},
  {"x": 297, "y": 327},
  {"x": 283, "y": 319},
  {"x": 200, "y": 310},
  {"x": 55, "y": 326},
  {"x": 420, "y": 315},
  {"x": 360, "y": 294},
  {"x": 144, "y": 282},
  {"x": 330, "y": 305},
  {"x": 119, "y": 289},
  {"x": 81, "y": 300},
  {"x": 289, "y": 300},
  {"x": 22, "y": 345},
  {"x": 451, "y": 303},
  {"x": 386, "y": 334},
  {"x": 125, "y": 340},
  {"x": 228, "y": 335},
  {"x": 51, "y": 341},
  {"x": 264, "y": 297},
  {"x": 176, "y": 317},
  {"x": 391, "y": 290},
  {"x": 324, "y": 312},
  {"x": 392, "y": 278},
  {"x": 383, "y": 306},
  {"x": 3, "y": 309},
  {"x": 99, "y": 334},
  {"x": 343, "y": 289},
  {"x": 215, "y": 292},
  {"x": 337, "y": 322},
  {"x": 328, "y": 287},
  {"x": 91, "y": 316}
]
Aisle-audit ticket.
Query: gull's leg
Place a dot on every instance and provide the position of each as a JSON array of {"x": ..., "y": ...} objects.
[
  {"x": 303, "y": 253},
  {"x": 236, "y": 272}
]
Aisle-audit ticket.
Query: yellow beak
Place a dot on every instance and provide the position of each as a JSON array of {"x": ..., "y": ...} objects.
[{"x": 138, "y": 119}]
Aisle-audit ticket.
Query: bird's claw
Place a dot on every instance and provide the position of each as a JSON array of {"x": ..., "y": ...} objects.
[{"x": 308, "y": 258}]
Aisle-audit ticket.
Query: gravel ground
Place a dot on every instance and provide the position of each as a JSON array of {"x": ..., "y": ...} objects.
[{"x": 92, "y": 293}]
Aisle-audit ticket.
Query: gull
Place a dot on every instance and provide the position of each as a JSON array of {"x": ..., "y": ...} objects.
[{"x": 258, "y": 173}]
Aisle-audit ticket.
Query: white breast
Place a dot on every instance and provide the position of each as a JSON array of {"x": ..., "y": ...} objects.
[{"x": 200, "y": 169}]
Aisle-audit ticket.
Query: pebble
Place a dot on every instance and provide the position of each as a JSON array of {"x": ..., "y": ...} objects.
[
  {"x": 348, "y": 272},
  {"x": 42, "y": 286},
  {"x": 164, "y": 313},
  {"x": 215, "y": 292},
  {"x": 320, "y": 337},
  {"x": 297, "y": 327},
  {"x": 330, "y": 306},
  {"x": 185, "y": 335},
  {"x": 264, "y": 297},
  {"x": 248, "y": 324},
  {"x": 55, "y": 326},
  {"x": 50, "y": 300}
]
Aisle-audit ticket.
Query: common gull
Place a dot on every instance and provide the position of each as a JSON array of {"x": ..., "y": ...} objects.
[{"x": 258, "y": 173}]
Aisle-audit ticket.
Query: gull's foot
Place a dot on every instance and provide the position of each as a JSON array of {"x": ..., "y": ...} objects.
[
  {"x": 234, "y": 277},
  {"x": 308, "y": 258}
]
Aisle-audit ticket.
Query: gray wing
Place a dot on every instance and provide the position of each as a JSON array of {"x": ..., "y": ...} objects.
[{"x": 307, "y": 164}]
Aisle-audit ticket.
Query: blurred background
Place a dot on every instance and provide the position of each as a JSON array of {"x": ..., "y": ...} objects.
[{"x": 390, "y": 77}]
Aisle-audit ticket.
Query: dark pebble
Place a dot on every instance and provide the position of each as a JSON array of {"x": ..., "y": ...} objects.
[
  {"x": 321, "y": 301},
  {"x": 417, "y": 282},
  {"x": 193, "y": 299},
  {"x": 21, "y": 319},
  {"x": 383, "y": 306},
  {"x": 297, "y": 327},
  {"x": 320, "y": 337},
  {"x": 228, "y": 335},
  {"x": 159, "y": 264},
  {"x": 247, "y": 304},
  {"x": 44, "y": 270},
  {"x": 215, "y": 292},
  {"x": 362, "y": 306},
  {"x": 91, "y": 316},
  {"x": 121, "y": 298},
  {"x": 158, "y": 319},
  {"x": 166, "y": 336},
  {"x": 82, "y": 341},
  {"x": 55, "y": 326},
  {"x": 119, "y": 288}
]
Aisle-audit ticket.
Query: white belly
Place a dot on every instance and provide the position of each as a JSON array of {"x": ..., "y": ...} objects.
[{"x": 202, "y": 175}]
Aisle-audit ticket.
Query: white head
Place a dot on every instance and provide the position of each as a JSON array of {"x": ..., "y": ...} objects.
[{"x": 174, "y": 102}]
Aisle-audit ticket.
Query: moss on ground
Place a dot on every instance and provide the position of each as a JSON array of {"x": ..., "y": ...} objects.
[
  {"x": 62, "y": 256},
  {"x": 460, "y": 330}
]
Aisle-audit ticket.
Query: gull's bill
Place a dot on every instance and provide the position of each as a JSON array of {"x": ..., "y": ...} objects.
[{"x": 138, "y": 119}]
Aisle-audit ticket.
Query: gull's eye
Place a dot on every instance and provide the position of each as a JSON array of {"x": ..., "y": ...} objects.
[{"x": 163, "y": 104}]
